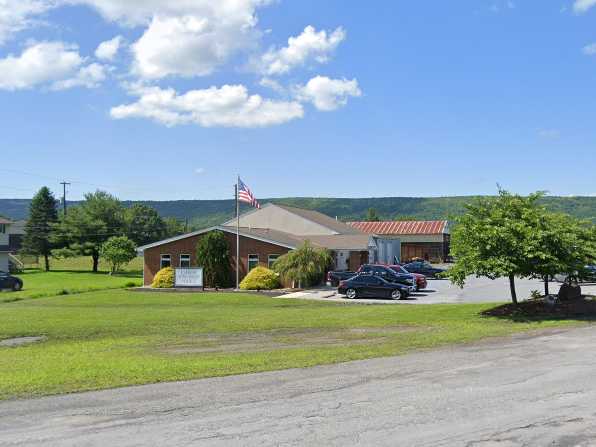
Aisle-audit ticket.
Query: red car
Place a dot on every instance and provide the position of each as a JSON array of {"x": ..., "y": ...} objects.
[{"x": 421, "y": 282}]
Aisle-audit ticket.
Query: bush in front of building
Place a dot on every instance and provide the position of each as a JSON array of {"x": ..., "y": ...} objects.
[
  {"x": 164, "y": 279},
  {"x": 213, "y": 254},
  {"x": 303, "y": 266},
  {"x": 260, "y": 278}
]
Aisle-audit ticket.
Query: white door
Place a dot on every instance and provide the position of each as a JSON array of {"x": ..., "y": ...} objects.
[{"x": 341, "y": 259}]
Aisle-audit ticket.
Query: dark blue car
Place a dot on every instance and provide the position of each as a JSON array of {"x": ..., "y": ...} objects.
[
  {"x": 371, "y": 286},
  {"x": 10, "y": 282}
]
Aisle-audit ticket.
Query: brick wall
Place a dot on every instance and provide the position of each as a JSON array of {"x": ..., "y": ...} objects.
[{"x": 188, "y": 246}]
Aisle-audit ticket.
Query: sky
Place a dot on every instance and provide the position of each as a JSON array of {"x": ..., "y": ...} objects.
[{"x": 157, "y": 100}]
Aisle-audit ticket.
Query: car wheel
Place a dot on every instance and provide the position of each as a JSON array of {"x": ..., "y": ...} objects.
[
  {"x": 17, "y": 286},
  {"x": 351, "y": 293},
  {"x": 396, "y": 294}
]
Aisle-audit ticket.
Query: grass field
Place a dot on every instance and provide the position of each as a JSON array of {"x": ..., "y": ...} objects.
[
  {"x": 37, "y": 284},
  {"x": 119, "y": 337},
  {"x": 84, "y": 264}
]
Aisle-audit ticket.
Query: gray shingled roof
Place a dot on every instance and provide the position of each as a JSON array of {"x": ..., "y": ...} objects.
[{"x": 322, "y": 219}]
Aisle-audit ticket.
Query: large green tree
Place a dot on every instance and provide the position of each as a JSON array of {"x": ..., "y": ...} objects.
[
  {"x": 566, "y": 245},
  {"x": 304, "y": 265},
  {"x": 497, "y": 237},
  {"x": 42, "y": 215},
  {"x": 213, "y": 255},
  {"x": 87, "y": 226},
  {"x": 144, "y": 225}
]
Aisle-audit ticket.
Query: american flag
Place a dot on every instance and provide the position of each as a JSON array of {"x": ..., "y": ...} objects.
[{"x": 245, "y": 195}]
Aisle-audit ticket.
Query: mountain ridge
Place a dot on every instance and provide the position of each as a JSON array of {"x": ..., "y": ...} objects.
[{"x": 204, "y": 213}]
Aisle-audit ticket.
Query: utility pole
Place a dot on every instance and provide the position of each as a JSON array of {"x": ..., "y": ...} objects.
[{"x": 64, "y": 184}]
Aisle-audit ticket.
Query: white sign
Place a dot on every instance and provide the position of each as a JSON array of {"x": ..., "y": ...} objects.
[{"x": 189, "y": 277}]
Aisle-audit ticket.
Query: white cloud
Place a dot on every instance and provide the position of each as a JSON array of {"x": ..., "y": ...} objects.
[
  {"x": 90, "y": 76},
  {"x": 301, "y": 49},
  {"x": 227, "y": 106},
  {"x": 581, "y": 6},
  {"x": 272, "y": 84},
  {"x": 328, "y": 94},
  {"x": 200, "y": 171},
  {"x": 40, "y": 63},
  {"x": 107, "y": 51},
  {"x": 18, "y": 15},
  {"x": 549, "y": 134},
  {"x": 184, "y": 37},
  {"x": 589, "y": 50},
  {"x": 186, "y": 46}
]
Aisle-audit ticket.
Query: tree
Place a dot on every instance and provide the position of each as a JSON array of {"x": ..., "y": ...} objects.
[
  {"x": 174, "y": 227},
  {"x": 118, "y": 250},
  {"x": 372, "y": 216},
  {"x": 566, "y": 245},
  {"x": 42, "y": 215},
  {"x": 144, "y": 225},
  {"x": 497, "y": 237},
  {"x": 87, "y": 226},
  {"x": 304, "y": 265},
  {"x": 213, "y": 254}
]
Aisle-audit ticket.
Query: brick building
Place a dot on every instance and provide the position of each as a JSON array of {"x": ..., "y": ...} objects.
[{"x": 269, "y": 232}]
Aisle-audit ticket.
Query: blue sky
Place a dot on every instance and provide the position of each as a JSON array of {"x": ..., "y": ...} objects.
[{"x": 368, "y": 99}]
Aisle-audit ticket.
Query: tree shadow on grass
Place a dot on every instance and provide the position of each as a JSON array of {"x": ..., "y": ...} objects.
[
  {"x": 129, "y": 274},
  {"x": 583, "y": 309}
]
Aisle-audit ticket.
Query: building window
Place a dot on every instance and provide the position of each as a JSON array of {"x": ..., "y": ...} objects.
[
  {"x": 271, "y": 260},
  {"x": 184, "y": 261},
  {"x": 165, "y": 261},
  {"x": 253, "y": 261},
  {"x": 2, "y": 228}
]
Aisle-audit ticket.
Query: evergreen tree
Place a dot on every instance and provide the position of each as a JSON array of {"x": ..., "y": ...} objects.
[
  {"x": 42, "y": 215},
  {"x": 213, "y": 254}
]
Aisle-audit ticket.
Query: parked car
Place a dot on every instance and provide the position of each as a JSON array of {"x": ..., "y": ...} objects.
[
  {"x": 372, "y": 286},
  {"x": 421, "y": 282},
  {"x": 423, "y": 268},
  {"x": 10, "y": 282},
  {"x": 587, "y": 275},
  {"x": 375, "y": 269}
]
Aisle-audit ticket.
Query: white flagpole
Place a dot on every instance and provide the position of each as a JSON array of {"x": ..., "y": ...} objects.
[{"x": 237, "y": 236}]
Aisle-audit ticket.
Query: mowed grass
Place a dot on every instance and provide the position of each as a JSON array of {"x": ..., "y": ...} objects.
[
  {"x": 38, "y": 284},
  {"x": 85, "y": 264},
  {"x": 115, "y": 338}
]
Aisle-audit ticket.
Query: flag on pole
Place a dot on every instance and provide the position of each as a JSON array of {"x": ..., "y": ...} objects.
[{"x": 246, "y": 195}]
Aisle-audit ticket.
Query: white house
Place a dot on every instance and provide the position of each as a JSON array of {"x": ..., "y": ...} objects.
[{"x": 11, "y": 234}]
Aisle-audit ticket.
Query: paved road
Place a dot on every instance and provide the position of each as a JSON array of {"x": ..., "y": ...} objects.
[
  {"x": 526, "y": 390},
  {"x": 441, "y": 291}
]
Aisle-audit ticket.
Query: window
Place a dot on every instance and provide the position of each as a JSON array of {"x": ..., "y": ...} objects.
[
  {"x": 271, "y": 260},
  {"x": 253, "y": 261},
  {"x": 2, "y": 228},
  {"x": 184, "y": 261},
  {"x": 165, "y": 261}
]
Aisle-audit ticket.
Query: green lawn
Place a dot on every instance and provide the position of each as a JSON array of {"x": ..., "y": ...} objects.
[
  {"x": 115, "y": 338},
  {"x": 84, "y": 264},
  {"x": 37, "y": 284}
]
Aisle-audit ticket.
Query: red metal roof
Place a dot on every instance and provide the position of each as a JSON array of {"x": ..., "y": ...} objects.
[
  {"x": 402, "y": 227},
  {"x": 4, "y": 221}
]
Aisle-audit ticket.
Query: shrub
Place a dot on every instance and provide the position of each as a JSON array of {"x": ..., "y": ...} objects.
[
  {"x": 131, "y": 284},
  {"x": 213, "y": 254},
  {"x": 118, "y": 250},
  {"x": 260, "y": 278},
  {"x": 164, "y": 279},
  {"x": 304, "y": 265}
]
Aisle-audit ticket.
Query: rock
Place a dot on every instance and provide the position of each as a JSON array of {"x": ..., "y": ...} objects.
[{"x": 570, "y": 291}]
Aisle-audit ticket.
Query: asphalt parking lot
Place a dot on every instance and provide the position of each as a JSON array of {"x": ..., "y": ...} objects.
[{"x": 441, "y": 291}]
